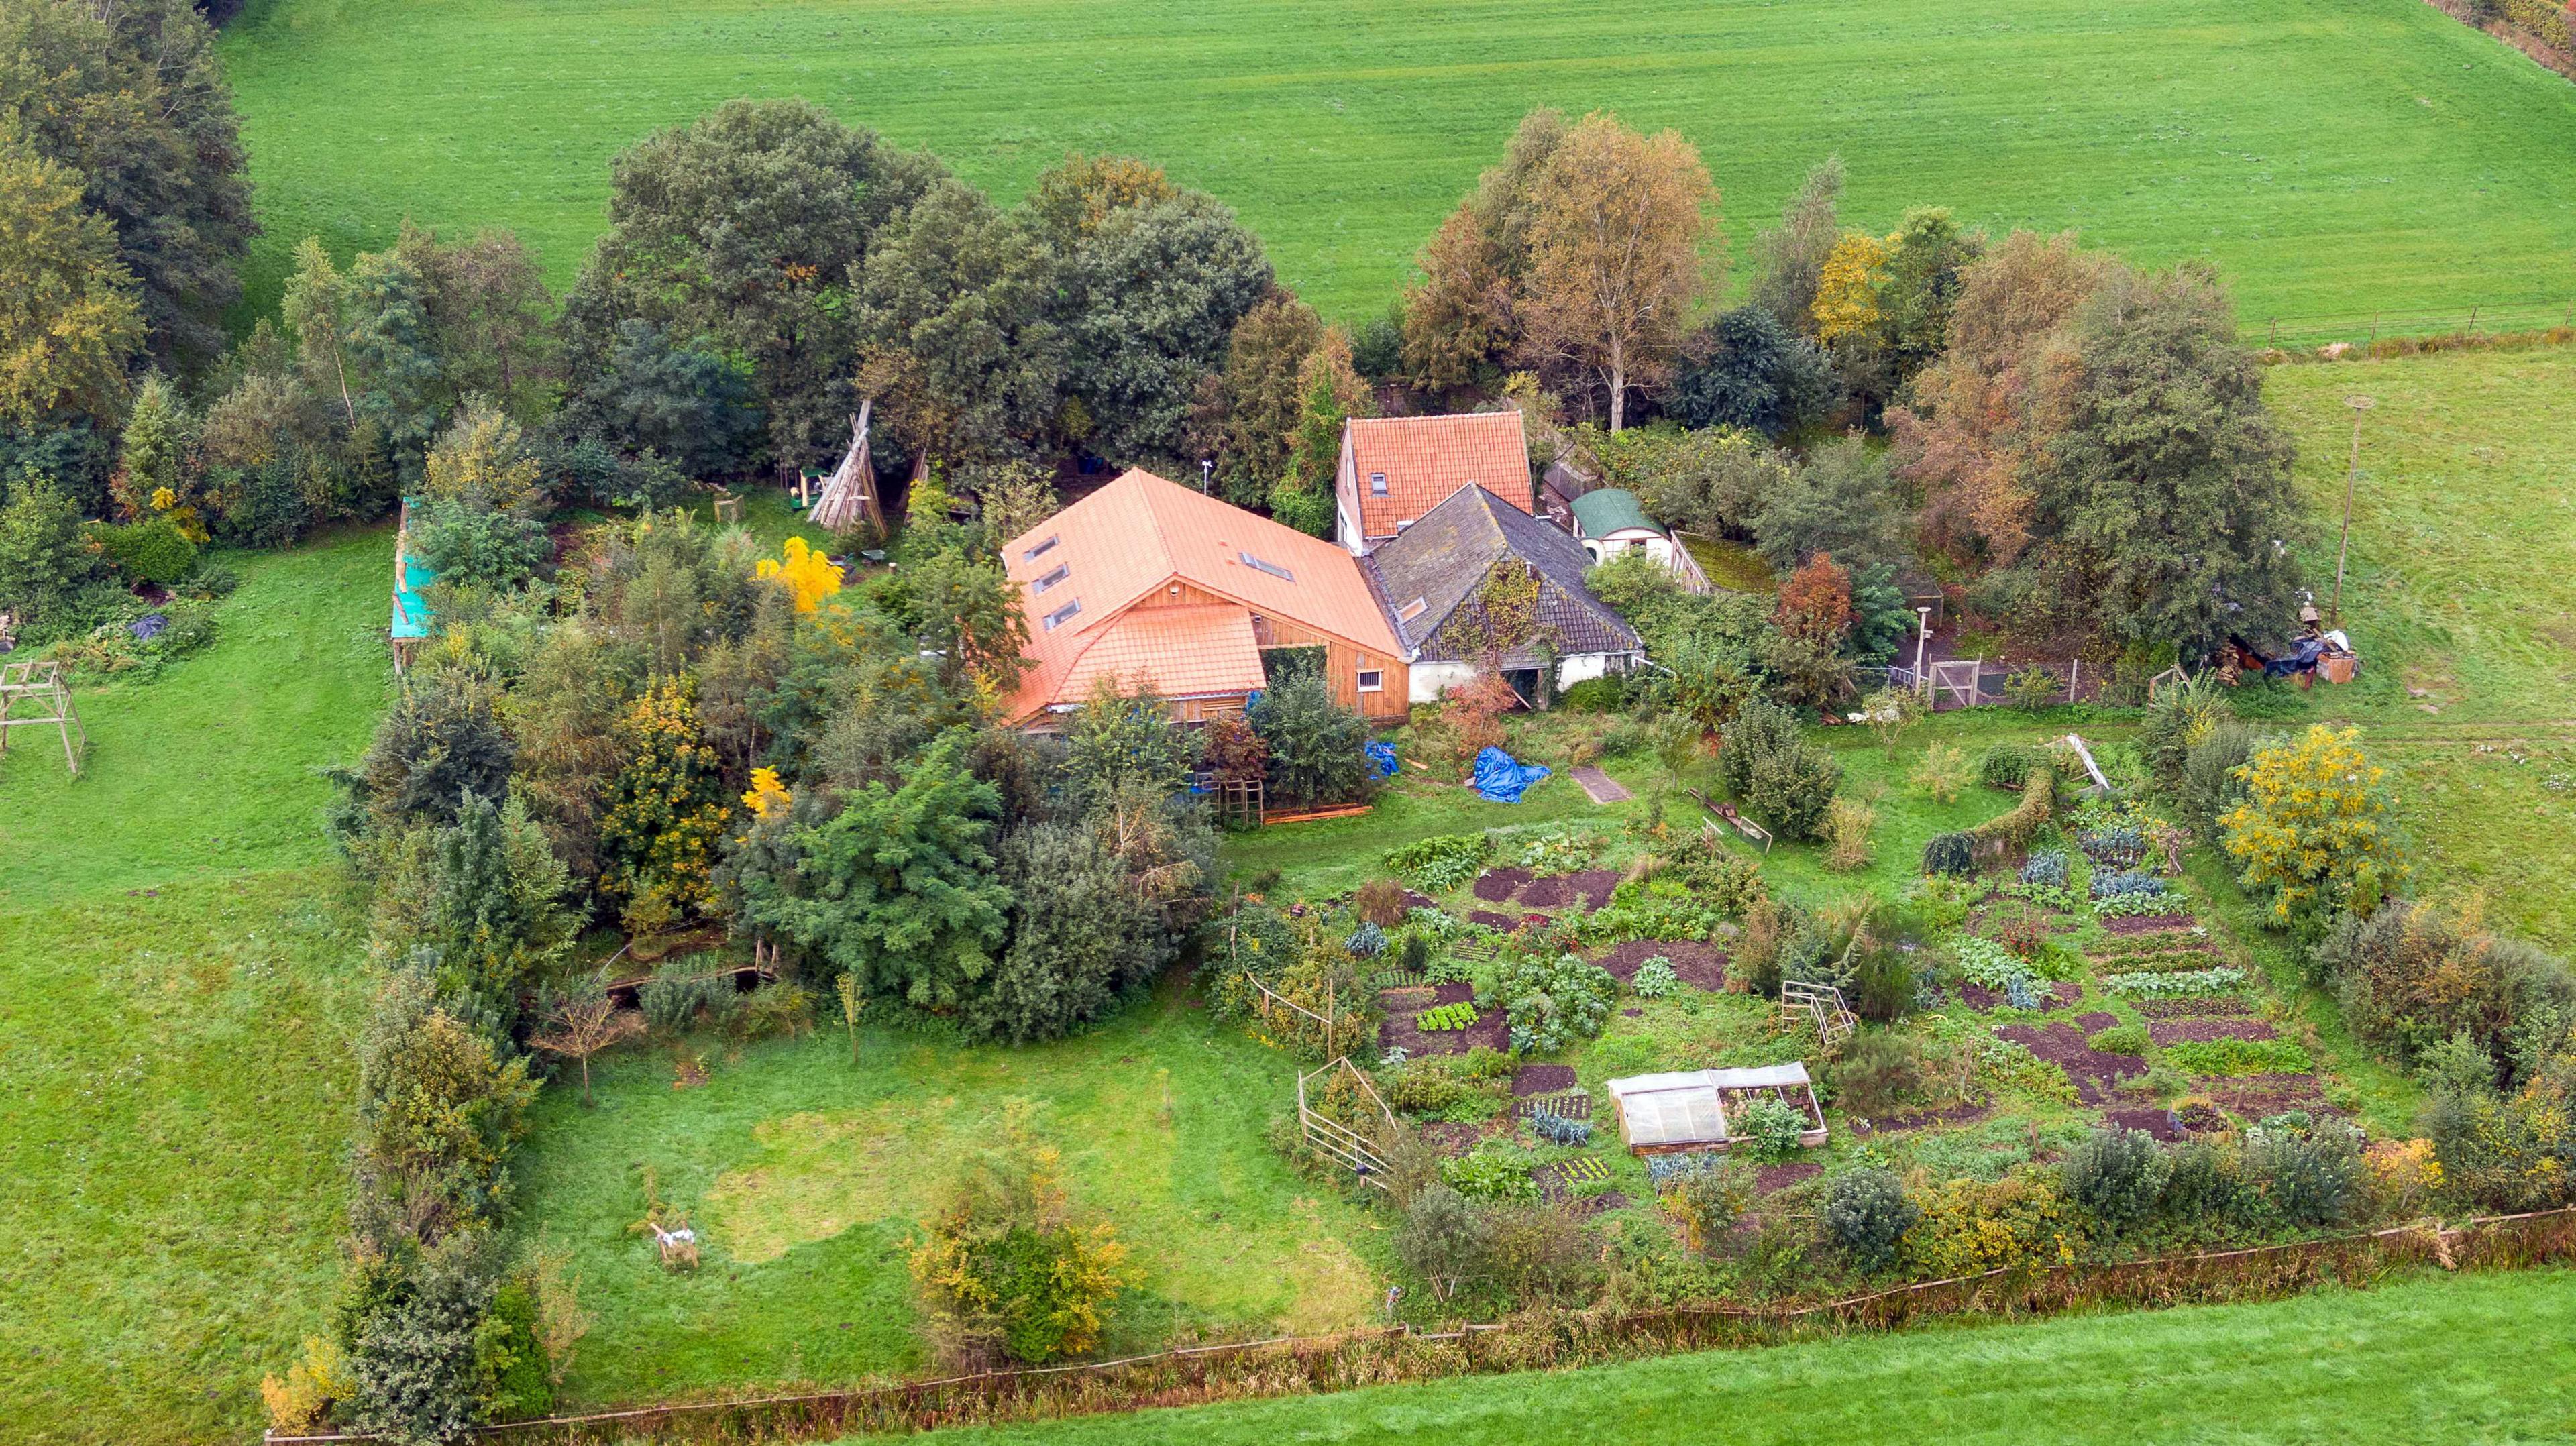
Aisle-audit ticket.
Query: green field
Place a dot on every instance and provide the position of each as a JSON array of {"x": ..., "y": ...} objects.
[
  {"x": 2453, "y": 1359},
  {"x": 181, "y": 965},
  {"x": 2332, "y": 156}
]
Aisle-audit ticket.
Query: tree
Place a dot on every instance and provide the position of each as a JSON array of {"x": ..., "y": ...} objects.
[
  {"x": 317, "y": 296},
  {"x": 486, "y": 303},
  {"x": 1793, "y": 254},
  {"x": 1924, "y": 261},
  {"x": 438, "y": 1109},
  {"x": 129, "y": 101},
  {"x": 1077, "y": 195},
  {"x": 1614, "y": 253},
  {"x": 744, "y": 227},
  {"x": 46, "y": 566},
  {"x": 1461, "y": 321},
  {"x": 2166, "y": 501},
  {"x": 1079, "y": 936},
  {"x": 470, "y": 543},
  {"x": 1982, "y": 414},
  {"x": 686, "y": 400},
  {"x": 585, "y": 1022},
  {"x": 1330, "y": 394},
  {"x": 152, "y": 458},
  {"x": 809, "y": 576},
  {"x": 970, "y": 616},
  {"x": 1847, "y": 287},
  {"x": 1314, "y": 744},
  {"x": 482, "y": 455},
  {"x": 665, "y": 812},
  {"x": 1115, "y": 737},
  {"x": 2314, "y": 830},
  {"x": 439, "y": 742},
  {"x": 898, "y": 887},
  {"x": 1745, "y": 369},
  {"x": 1709, "y": 481},
  {"x": 68, "y": 318},
  {"x": 1815, "y": 602},
  {"x": 1151, "y": 297},
  {"x": 1263, "y": 395},
  {"x": 962, "y": 334},
  {"x": 1012, "y": 497},
  {"x": 1838, "y": 501}
]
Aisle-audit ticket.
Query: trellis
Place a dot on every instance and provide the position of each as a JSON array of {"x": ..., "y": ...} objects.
[
  {"x": 1338, "y": 1142},
  {"x": 38, "y": 685}
]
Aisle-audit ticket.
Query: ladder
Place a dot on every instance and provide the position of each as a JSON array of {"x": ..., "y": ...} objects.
[{"x": 1824, "y": 1003}]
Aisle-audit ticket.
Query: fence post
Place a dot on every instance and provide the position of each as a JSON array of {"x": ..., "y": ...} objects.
[
  {"x": 2275, "y": 337},
  {"x": 2374, "y": 329},
  {"x": 2074, "y": 675},
  {"x": 2473, "y": 321}
]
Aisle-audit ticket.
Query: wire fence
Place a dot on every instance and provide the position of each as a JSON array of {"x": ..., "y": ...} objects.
[{"x": 2362, "y": 329}]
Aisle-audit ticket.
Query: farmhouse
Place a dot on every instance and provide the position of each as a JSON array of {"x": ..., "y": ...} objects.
[
  {"x": 1431, "y": 573},
  {"x": 1396, "y": 469},
  {"x": 1145, "y": 582}
]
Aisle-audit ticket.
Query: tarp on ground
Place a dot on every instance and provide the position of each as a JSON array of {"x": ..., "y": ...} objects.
[
  {"x": 1502, "y": 778},
  {"x": 1381, "y": 758}
]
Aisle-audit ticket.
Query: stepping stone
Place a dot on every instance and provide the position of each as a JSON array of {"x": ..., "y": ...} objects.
[{"x": 1601, "y": 786}]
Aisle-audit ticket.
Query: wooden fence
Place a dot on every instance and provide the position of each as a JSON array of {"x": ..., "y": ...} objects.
[{"x": 1302, "y": 1365}]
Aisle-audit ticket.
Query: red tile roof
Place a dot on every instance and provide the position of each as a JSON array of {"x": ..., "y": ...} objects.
[
  {"x": 1128, "y": 546},
  {"x": 1427, "y": 459}
]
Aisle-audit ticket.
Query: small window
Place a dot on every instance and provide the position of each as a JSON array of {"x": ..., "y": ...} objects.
[
  {"x": 1377, "y": 484},
  {"x": 1372, "y": 680},
  {"x": 1034, "y": 553},
  {"x": 1061, "y": 571},
  {"x": 1272, "y": 568},
  {"x": 1062, "y": 615},
  {"x": 1413, "y": 609}
]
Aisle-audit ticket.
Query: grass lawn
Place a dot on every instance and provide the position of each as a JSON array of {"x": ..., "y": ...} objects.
[
  {"x": 805, "y": 1174},
  {"x": 2332, "y": 156},
  {"x": 2462, "y": 586},
  {"x": 2485, "y": 1358},
  {"x": 181, "y": 971}
]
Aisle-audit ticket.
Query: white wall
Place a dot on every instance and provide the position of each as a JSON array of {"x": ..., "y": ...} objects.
[{"x": 1431, "y": 679}]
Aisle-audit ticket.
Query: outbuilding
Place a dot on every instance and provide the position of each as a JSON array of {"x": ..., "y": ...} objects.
[{"x": 1690, "y": 1110}]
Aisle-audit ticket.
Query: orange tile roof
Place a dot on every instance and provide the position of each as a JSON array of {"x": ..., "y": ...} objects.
[
  {"x": 1128, "y": 544},
  {"x": 1427, "y": 459},
  {"x": 1185, "y": 651}
]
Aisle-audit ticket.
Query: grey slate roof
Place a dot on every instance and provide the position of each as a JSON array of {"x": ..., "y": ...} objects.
[{"x": 1440, "y": 560}]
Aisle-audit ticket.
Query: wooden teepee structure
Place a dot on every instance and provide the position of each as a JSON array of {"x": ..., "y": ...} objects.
[{"x": 850, "y": 494}]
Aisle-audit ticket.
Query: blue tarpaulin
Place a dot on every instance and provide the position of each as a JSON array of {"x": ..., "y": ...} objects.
[
  {"x": 1381, "y": 759},
  {"x": 1502, "y": 779}
]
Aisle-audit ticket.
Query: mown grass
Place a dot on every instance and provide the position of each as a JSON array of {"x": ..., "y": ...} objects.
[
  {"x": 2474, "y": 1358},
  {"x": 806, "y": 1176},
  {"x": 2332, "y": 157},
  {"x": 180, "y": 970}
]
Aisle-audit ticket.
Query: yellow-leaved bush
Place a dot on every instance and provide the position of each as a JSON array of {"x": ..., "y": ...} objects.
[
  {"x": 809, "y": 575},
  {"x": 767, "y": 797},
  {"x": 1847, "y": 287},
  {"x": 1007, "y": 1264},
  {"x": 2313, "y": 827},
  {"x": 1970, "y": 1225},
  {"x": 665, "y": 811}
]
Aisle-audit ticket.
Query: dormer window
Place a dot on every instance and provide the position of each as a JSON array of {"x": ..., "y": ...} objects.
[
  {"x": 1061, "y": 616},
  {"x": 1034, "y": 553},
  {"x": 1377, "y": 484},
  {"x": 1261, "y": 565},
  {"x": 1061, "y": 571}
]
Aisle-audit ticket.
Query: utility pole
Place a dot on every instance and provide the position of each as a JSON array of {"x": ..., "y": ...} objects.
[{"x": 2351, "y": 470}]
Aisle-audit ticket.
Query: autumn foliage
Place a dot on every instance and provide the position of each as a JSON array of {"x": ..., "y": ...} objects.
[{"x": 808, "y": 575}]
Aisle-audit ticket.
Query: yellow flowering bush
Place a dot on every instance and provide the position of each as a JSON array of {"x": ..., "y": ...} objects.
[
  {"x": 665, "y": 812},
  {"x": 768, "y": 797},
  {"x": 1847, "y": 288},
  {"x": 2406, "y": 1171},
  {"x": 1970, "y": 1225},
  {"x": 809, "y": 575},
  {"x": 2313, "y": 828}
]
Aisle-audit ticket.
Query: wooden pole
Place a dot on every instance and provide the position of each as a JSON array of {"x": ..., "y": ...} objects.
[
  {"x": 2074, "y": 676},
  {"x": 2351, "y": 471}
]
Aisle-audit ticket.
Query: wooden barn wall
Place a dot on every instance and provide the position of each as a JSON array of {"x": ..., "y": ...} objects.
[{"x": 1343, "y": 659}]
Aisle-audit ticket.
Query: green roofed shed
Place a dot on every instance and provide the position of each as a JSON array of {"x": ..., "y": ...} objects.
[{"x": 1605, "y": 511}]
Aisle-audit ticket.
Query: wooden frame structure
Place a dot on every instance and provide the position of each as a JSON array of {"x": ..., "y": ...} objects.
[
  {"x": 1824, "y": 1004},
  {"x": 1957, "y": 677},
  {"x": 1665, "y": 1114},
  {"x": 38, "y": 683},
  {"x": 1338, "y": 1142},
  {"x": 849, "y": 495}
]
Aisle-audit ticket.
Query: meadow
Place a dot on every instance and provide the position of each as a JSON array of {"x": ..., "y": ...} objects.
[
  {"x": 2333, "y": 157},
  {"x": 2451, "y": 1358}
]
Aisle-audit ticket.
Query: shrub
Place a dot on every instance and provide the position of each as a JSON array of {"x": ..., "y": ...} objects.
[
  {"x": 2512, "y": 1152},
  {"x": 2310, "y": 1176},
  {"x": 1707, "y": 1202},
  {"x": 671, "y": 1000},
  {"x": 1005, "y": 1262},
  {"x": 2211, "y": 784},
  {"x": 2415, "y": 976},
  {"x": 2313, "y": 829},
  {"x": 1969, "y": 1225},
  {"x": 2047, "y": 869},
  {"x": 1605, "y": 694},
  {"x": 2120, "y": 1039},
  {"x": 1655, "y": 979},
  {"x": 1768, "y": 1129},
  {"x": 2007, "y": 766},
  {"x": 2119, "y": 1175},
  {"x": 2240, "y": 1056},
  {"x": 1766, "y": 761},
  {"x": 1314, "y": 743},
  {"x": 1365, "y": 942},
  {"x": 1442, "y": 862},
  {"x": 1489, "y": 1176},
  {"x": 1553, "y": 1001},
  {"x": 1443, "y": 1239},
  {"x": 1942, "y": 772},
  {"x": 2031, "y": 689},
  {"x": 1380, "y": 902},
  {"x": 1867, "y": 1216},
  {"x": 2038, "y": 804},
  {"x": 1848, "y": 825},
  {"x": 154, "y": 552},
  {"x": 1558, "y": 1130},
  {"x": 1879, "y": 1073},
  {"x": 1952, "y": 854},
  {"x": 470, "y": 543}
]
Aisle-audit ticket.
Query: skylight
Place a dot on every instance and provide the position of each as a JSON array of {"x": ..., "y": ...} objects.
[
  {"x": 1413, "y": 609},
  {"x": 1062, "y": 615},
  {"x": 1034, "y": 553},
  {"x": 1062, "y": 571},
  {"x": 1272, "y": 568}
]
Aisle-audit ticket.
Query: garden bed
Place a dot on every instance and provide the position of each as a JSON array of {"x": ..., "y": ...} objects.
[
  {"x": 1496, "y": 886},
  {"x": 1542, "y": 1079},
  {"x": 1571, "y": 1105},
  {"x": 2181, "y": 1031},
  {"x": 2062, "y": 1045},
  {"x": 1959, "y": 1114},
  {"x": 2095, "y": 1022},
  {"x": 1694, "y": 963},
  {"x": 1487, "y": 918},
  {"x": 2061, "y": 995},
  {"x": 2202, "y": 1006},
  {"x": 1558, "y": 1182},
  {"x": 1767, "y": 1178},
  {"x": 1453, "y": 1139},
  {"x": 2159, "y": 1123},
  {"x": 2257, "y": 1096},
  {"x": 1492, "y": 1029},
  {"x": 2148, "y": 923}
]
